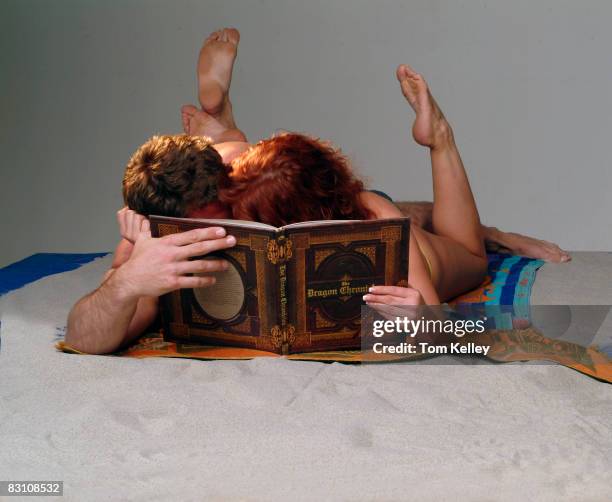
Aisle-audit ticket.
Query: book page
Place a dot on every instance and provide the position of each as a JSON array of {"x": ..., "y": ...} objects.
[
  {"x": 321, "y": 223},
  {"x": 236, "y": 223},
  {"x": 317, "y": 223}
]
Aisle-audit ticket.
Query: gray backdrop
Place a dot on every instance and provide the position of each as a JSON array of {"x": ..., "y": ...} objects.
[{"x": 526, "y": 85}]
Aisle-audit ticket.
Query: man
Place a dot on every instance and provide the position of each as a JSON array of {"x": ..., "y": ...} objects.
[{"x": 179, "y": 176}]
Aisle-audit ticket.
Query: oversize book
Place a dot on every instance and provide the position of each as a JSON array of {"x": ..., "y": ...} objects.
[{"x": 292, "y": 289}]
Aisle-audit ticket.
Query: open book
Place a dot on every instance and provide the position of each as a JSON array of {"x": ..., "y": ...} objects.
[{"x": 292, "y": 289}]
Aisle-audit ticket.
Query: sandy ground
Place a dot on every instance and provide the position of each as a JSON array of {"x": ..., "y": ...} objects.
[{"x": 160, "y": 429}]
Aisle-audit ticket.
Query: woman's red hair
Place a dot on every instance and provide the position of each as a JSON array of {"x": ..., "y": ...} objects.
[{"x": 291, "y": 178}]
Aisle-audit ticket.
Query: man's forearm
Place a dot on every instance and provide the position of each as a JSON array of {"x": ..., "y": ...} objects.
[{"x": 99, "y": 322}]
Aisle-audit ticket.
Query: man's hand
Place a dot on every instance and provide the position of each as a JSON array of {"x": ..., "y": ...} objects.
[
  {"x": 130, "y": 223},
  {"x": 160, "y": 265}
]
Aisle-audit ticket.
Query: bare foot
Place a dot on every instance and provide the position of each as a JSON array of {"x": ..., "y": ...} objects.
[
  {"x": 215, "y": 65},
  {"x": 524, "y": 245},
  {"x": 430, "y": 128},
  {"x": 199, "y": 123}
]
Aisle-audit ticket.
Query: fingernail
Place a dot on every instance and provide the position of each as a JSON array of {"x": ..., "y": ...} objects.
[
  {"x": 231, "y": 240},
  {"x": 371, "y": 289},
  {"x": 220, "y": 232},
  {"x": 366, "y": 297}
]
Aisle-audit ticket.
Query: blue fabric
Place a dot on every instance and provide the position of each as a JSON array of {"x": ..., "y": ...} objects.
[
  {"x": 511, "y": 279},
  {"x": 40, "y": 265},
  {"x": 509, "y": 289},
  {"x": 382, "y": 194}
]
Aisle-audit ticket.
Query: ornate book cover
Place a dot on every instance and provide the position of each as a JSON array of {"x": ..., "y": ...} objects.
[{"x": 292, "y": 289}]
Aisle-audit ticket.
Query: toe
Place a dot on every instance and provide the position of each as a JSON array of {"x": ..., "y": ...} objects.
[
  {"x": 410, "y": 72},
  {"x": 213, "y": 36},
  {"x": 233, "y": 35},
  {"x": 187, "y": 113},
  {"x": 188, "y": 109},
  {"x": 554, "y": 253},
  {"x": 421, "y": 90},
  {"x": 185, "y": 119},
  {"x": 412, "y": 83},
  {"x": 401, "y": 73},
  {"x": 565, "y": 256}
]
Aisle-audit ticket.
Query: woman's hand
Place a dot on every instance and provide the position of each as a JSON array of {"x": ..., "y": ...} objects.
[
  {"x": 131, "y": 224},
  {"x": 395, "y": 301},
  {"x": 393, "y": 295}
]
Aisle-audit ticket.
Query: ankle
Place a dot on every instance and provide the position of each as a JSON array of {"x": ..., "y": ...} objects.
[{"x": 443, "y": 136}]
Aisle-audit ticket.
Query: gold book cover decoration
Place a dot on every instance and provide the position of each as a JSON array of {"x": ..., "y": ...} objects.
[{"x": 288, "y": 290}]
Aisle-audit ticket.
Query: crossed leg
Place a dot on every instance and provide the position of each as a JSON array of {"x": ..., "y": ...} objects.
[{"x": 215, "y": 118}]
